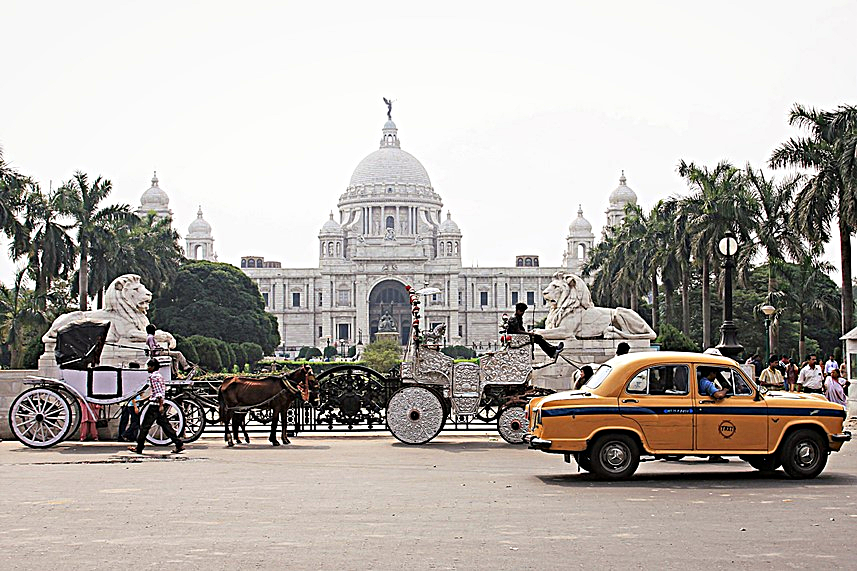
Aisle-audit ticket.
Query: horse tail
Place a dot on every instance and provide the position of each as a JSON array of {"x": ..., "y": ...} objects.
[{"x": 221, "y": 401}]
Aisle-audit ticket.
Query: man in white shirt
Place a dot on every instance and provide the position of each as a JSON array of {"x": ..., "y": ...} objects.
[
  {"x": 830, "y": 365},
  {"x": 811, "y": 379}
]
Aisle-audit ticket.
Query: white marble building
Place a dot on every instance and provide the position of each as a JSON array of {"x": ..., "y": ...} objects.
[
  {"x": 199, "y": 242},
  {"x": 391, "y": 230}
]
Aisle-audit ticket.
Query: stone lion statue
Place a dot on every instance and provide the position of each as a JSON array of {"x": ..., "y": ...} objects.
[
  {"x": 126, "y": 302},
  {"x": 572, "y": 315}
]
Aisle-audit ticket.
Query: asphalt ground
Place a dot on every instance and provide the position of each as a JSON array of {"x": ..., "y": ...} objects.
[{"x": 459, "y": 502}]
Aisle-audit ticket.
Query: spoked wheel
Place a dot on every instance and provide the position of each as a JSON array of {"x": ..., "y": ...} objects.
[
  {"x": 174, "y": 414},
  {"x": 74, "y": 406},
  {"x": 415, "y": 415},
  {"x": 194, "y": 420},
  {"x": 40, "y": 417},
  {"x": 512, "y": 424}
]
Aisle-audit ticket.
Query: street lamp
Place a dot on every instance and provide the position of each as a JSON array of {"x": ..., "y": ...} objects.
[
  {"x": 728, "y": 346},
  {"x": 769, "y": 310}
]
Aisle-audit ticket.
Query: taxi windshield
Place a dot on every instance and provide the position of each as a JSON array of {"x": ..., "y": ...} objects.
[{"x": 595, "y": 381}]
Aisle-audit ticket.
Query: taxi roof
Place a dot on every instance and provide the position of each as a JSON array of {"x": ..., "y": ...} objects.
[{"x": 650, "y": 357}]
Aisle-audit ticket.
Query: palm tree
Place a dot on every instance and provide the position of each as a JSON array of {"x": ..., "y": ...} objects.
[
  {"x": 775, "y": 236},
  {"x": 805, "y": 292},
  {"x": 16, "y": 313},
  {"x": 831, "y": 191},
  {"x": 719, "y": 203},
  {"x": 80, "y": 201},
  {"x": 678, "y": 257},
  {"x": 49, "y": 248},
  {"x": 12, "y": 190}
]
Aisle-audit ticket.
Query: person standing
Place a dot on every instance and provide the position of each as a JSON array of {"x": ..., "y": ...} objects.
[
  {"x": 88, "y": 419},
  {"x": 811, "y": 379},
  {"x": 129, "y": 420},
  {"x": 771, "y": 378},
  {"x": 790, "y": 372},
  {"x": 516, "y": 326},
  {"x": 156, "y": 412},
  {"x": 830, "y": 365},
  {"x": 833, "y": 389}
]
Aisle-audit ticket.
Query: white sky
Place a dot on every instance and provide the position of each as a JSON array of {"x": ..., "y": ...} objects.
[{"x": 259, "y": 111}]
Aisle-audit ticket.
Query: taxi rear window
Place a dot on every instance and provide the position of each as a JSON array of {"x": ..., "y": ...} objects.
[{"x": 598, "y": 378}]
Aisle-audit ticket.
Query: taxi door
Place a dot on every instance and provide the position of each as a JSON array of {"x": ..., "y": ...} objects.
[
  {"x": 658, "y": 400},
  {"x": 733, "y": 424}
]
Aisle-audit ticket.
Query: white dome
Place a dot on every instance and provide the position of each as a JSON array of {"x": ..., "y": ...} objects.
[
  {"x": 154, "y": 198},
  {"x": 199, "y": 228},
  {"x": 580, "y": 225},
  {"x": 623, "y": 195},
  {"x": 331, "y": 226},
  {"x": 390, "y": 164},
  {"x": 448, "y": 226}
]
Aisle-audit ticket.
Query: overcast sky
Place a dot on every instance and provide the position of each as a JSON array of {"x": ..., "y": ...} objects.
[{"x": 260, "y": 111}]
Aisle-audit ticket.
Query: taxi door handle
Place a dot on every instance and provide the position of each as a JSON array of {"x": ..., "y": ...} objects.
[
  {"x": 630, "y": 400},
  {"x": 706, "y": 402}
]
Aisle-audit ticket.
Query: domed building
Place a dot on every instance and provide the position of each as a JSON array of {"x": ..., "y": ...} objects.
[
  {"x": 199, "y": 240},
  {"x": 621, "y": 196},
  {"x": 389, "y": 232}
]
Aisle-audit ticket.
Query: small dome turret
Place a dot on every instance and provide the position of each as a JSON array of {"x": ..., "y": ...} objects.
[
  {"x": 623, "y": 194},
  {"x": 199, "y": 228},
  {"x": 448, "y": 226},
  {"x": 331, "y": 226},
  {"x": 155, "y": 200},
  {"x": 580, "y": 225}
]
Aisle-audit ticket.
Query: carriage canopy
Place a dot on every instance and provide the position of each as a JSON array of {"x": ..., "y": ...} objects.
[{"x": 79, "y": 345}]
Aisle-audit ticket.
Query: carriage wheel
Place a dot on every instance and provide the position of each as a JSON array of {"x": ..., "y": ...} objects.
[
  {"x": 40, "y": 417},
  {"x": 512, "y": 424},
  {"x": 415, "y": 415},
  {"x": 194, "y": 419},
  {"x": 262, "y": 415},
  {"x": 174, "y": 414},
  {"x": 74, "y": 406}
]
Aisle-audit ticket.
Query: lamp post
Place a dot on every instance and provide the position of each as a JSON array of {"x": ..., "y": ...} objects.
[
  {"x": 768, "y": 310},
  {"x": 728, "y": 346}
]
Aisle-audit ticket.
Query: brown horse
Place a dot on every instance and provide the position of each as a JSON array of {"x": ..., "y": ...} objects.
[{"x": 239, "y": 394}]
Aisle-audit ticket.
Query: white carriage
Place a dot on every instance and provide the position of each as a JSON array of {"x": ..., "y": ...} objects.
[
  {"x": 436, "y": 387},
  {"x": 50, "y": 410}
]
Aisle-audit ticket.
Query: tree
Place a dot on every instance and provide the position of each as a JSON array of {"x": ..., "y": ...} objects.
[
  {"x": 12, "y": 190},
  {"x": 252, "y": 352},
  {"x": 80, "y": 200},
  {"x": 16, "y": 314},
  {"x": 718, "y": 203},
  {"x": 671, "y": 339},
  {"x": 207, "y": 351},
  {"x": 382, "y": 355},
  {"x": 808, "y": 293},
  {"x": 215, "y": 300},
  {"x": 831, "y": 191}
]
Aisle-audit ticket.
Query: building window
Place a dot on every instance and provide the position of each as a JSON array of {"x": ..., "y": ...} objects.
[
  {"x": 459, "y": 298},
  {"x": 320, "y": 332},
  {"x": 535, "y": 262},
  {"x": 265, "y": 297},
  {"x": 343, "y": 331},
  {"x": 243, "y": 263},
  {"x": 320, "y": 299},
  {"x": 251, "y": 263},
  {"x": 343, "y": 299},
  {"x": 390, "y": 222},
  {"x": 528, "y": 262},
  {"x": 461, "y": 331},
  {"x": 514, "y": 298},
  {"x": 296, "y": 299},
  {"x": 531, "y": 298},
  {"x": 519, "y": 262},
  {"x": 483, "y": 298}
]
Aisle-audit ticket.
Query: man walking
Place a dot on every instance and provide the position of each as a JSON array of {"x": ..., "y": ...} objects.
[
  {"x": 790, "y": 372},
  {"x": 830, "y": 365},
  {"x": 156, "y": 412},
  {"x": 516, "y": 326},
  {"x": 811, "y": 379}
]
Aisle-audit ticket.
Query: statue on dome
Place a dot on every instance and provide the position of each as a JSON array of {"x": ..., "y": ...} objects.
[{"x": 389, "y": 103}]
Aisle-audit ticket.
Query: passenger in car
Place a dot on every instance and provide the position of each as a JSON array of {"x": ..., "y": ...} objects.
[{"x": 707, "y": 385}]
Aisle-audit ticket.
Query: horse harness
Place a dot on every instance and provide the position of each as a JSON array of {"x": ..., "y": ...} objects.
[{"x": 302, "y": 388}]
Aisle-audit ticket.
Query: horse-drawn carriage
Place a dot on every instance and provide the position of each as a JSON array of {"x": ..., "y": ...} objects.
[
  {"x": 435, "y": 387},
  {"x": 50, "y": 410}
]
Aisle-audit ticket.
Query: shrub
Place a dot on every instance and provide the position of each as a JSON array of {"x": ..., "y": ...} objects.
[
  {"x": 671, "y": 339},
  {"x": 459, "y": 352},
  {"x": 312, "y": 352},
  {"x": 382, "y": 355},
  {"x": 240, "y": 356},
  {"x": 207, "y": 351},
  {"x": 252, "y": 352},
  {"x": 329, "y": 352},
  {"x": 187, "y": 349}
]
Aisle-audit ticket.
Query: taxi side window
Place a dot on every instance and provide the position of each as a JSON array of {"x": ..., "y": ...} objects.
[
  {"x": 738, "y": 385},
  {"x": 663, "y": 380}
]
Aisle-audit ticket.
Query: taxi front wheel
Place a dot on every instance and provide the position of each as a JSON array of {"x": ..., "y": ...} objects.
[
  {"x": 614, "y": 456},
  {"x": 804, "y": 454}
]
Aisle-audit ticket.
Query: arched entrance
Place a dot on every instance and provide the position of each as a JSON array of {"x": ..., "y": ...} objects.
[{"x": 390, "y": 295}]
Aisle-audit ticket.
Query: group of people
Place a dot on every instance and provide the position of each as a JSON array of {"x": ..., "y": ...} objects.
[{"x": 810, "y": 377}]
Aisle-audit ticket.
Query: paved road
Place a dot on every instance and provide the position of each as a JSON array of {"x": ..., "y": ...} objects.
[{"x": 466, "y": 502}]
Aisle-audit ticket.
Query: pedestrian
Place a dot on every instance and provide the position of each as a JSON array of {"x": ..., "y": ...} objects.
[
  {"x": 156, "y": 411},
  {"x": 622, "y": 349},
  {"x": 516, "y": 326},
  {"x": 758, "y": 366},
  {"x": 830, "y": 365},
  {"x": 129, "y": 420},
  {"x": 583, "y": 377},
  {"x": 771, "y": 378},
  {"x": 833, "y": 389},
  {"x": 811, "y": 379},
  {"x": 88, "y": 419},
  {"x": 790, "y": 373}
]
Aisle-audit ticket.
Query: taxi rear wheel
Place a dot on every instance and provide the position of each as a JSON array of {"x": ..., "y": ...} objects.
[
  {"x": 804, "y": 454},
  {"x": 614, "y": 456}
]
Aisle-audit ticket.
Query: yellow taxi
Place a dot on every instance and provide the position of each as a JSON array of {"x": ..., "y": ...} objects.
[{"x": 664, "y": 404}]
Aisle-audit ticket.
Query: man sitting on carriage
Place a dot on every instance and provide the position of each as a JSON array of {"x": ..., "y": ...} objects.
[{"x": 516, "y": 326}]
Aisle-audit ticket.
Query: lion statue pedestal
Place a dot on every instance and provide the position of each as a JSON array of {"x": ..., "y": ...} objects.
[
  {"x": 590, "y": 334},
  {"x": 125, "y": 305}
]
